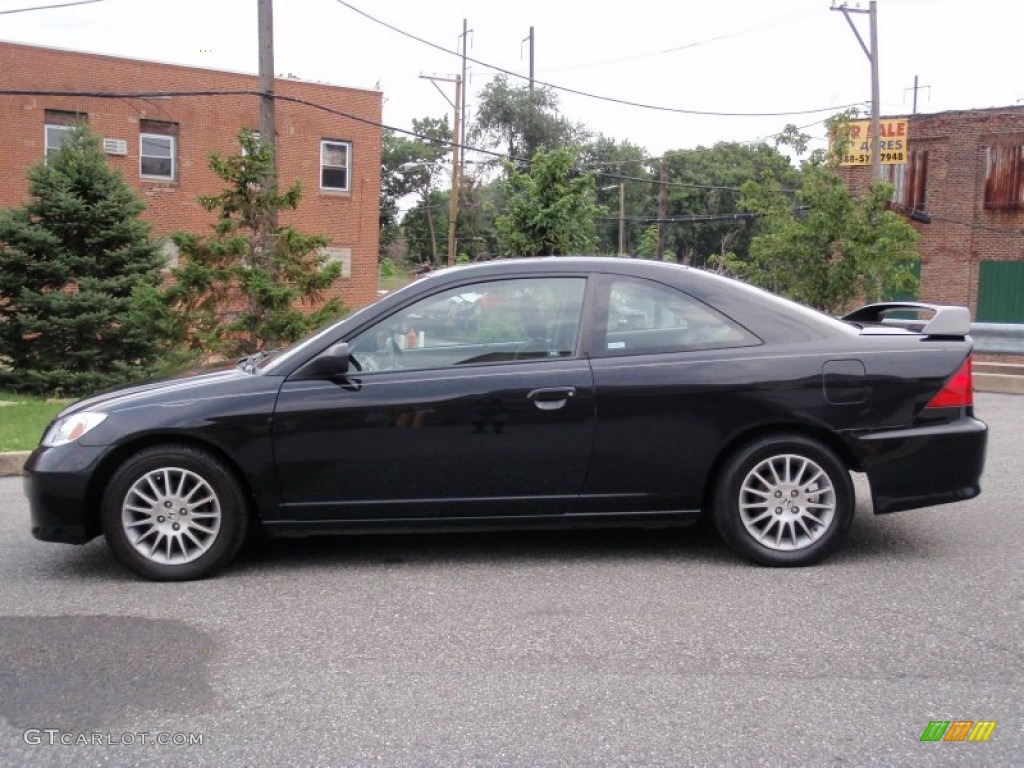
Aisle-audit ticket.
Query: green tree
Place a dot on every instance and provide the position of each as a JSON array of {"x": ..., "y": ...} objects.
[
  {"x": 707, "y": 183},
  {"x": 617, "y": 163},
  {"x": 551, "y": 207},
  {"x": 519, "y": 121},
  {"x": 480, "y": 202},
  {"x": 411, "y": 165},
  {"x": 833, "y": 248},
  {"x": 241, "y": 289},
  {"x": 72, "y": 262},
  {"x": 424, "y": 224}
]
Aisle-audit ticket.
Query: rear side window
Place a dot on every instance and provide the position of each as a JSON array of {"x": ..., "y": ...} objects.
[{"x": 643, "y": 317}]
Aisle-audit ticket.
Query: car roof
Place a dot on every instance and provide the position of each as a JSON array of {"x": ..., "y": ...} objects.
[{"x": 757, "y": 309}]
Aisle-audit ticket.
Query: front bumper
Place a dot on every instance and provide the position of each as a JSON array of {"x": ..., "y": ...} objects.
[
  {"x": 57, "y": 484},
  {"x": 923, "y": 466}
]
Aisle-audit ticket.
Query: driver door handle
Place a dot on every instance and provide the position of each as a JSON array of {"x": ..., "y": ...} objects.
[{"x": 551, "y": 398}]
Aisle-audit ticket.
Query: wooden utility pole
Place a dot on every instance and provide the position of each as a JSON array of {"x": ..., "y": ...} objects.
[
  {"x": 453, "y": 208},
  {"x": 872, "y": 54},
  {"x": 268, "y": 130},
  {"x": 462, "y": 127},
  {"x": 662, "y": 206},
  {"x": 622, "y": 218},
  {"x": 530, "y": 38}
]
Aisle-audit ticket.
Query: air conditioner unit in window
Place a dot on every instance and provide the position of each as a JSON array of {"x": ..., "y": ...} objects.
[{"x": 115, "y": 146}]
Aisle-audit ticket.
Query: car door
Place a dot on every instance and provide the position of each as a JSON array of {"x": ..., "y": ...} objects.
[
  {"x": 470, "y": 401},
  {"x": 670, "y": 376}
]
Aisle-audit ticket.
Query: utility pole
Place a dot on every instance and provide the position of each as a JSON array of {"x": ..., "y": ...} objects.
[
  {"x": 268, "y": 129},
  {"x": 872, "y": 54},
  {"x": 530, "y": 38},
  {"x": 915, "y": 89},
  {"x": 662, "y": 206},
  {"x": 462, "y": 127},
  {"x": 622, "y": 218},
  {"x": 453, "y": 207}
]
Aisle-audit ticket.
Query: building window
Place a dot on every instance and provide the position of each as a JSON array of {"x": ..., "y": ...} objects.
[
  {"x": 909, "y": 180},
  {"x": 334, "y": 164},
  {"x": 158, "y": 150},
  {"x": 241, "y": 147},
  {"x": 58, "y": 124},
  {"x": 55, "y": 135},
  {"x": 1004, "y": 178}
]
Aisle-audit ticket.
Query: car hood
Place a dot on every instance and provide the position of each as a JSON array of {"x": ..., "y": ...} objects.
[{"x": 168, "y": 390}]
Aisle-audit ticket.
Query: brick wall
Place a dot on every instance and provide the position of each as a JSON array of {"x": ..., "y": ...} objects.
[
  {"x": 962, "y": 232},
  {"x": 205, "y": 124}
]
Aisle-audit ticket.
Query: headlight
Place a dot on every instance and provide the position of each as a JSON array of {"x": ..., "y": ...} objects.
[{"x": 72, "y": 427}]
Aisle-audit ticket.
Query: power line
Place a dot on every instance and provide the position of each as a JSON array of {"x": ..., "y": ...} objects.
[
  {"x": 46, "y": 7},
  {"x": 576, "y": 92},
  {"x": 686, "y": 46}
]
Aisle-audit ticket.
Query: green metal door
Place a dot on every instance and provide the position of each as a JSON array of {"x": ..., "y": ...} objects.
[{"x": 1001, "y": 292}]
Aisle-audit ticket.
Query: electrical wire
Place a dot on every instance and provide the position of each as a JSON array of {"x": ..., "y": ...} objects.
[
  {"x": 686, "y": 46},
  {"x": 47, "y": 7},
  {"x": 585, "y": 94}
]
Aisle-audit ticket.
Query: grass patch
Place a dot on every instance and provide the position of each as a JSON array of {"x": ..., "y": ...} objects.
[{"x": 22, "y": 423}]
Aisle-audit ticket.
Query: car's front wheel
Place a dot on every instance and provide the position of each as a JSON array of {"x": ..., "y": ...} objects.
[
  {"x": 173, "y": 513},
  {"x": 784, "y": 500}
]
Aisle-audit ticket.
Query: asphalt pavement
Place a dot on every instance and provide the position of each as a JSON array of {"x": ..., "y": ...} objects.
[{"x": 638, "y": 648}]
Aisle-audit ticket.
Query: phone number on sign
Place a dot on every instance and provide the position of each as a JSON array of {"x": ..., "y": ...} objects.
[{"x": 885, "y": 157}]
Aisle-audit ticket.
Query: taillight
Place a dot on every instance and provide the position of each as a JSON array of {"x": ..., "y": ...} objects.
[{"x": 958, "y": 391}]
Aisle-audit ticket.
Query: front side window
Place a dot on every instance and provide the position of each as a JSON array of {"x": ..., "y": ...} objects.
[
  {"x": 644, "y": 316},
  {"x": 334, "y": 164},
  {"x": 498, "y": 321},
  {"x": 156, "y": 156}
]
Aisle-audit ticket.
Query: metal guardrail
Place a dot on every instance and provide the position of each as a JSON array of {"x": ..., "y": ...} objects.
[
  {"x": 998, "y": 338},
  {"x": 991, "y": 338}
]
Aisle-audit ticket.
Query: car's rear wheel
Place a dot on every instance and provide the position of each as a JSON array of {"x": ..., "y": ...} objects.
[
  {"x": 784, "y": 500},
  {"x": 173, "y": 513}
]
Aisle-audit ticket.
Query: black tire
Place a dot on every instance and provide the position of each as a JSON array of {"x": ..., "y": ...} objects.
[
  {"x": 174, "y": 513},
  {"x": 784, "y": 500}
]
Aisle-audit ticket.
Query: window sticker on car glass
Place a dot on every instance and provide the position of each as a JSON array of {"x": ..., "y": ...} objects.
[{"x": 616, "y": 345}]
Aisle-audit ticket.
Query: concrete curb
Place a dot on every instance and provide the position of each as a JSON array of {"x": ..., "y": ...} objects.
[
  {"x": 1004, "y": 383},
  {"x": 11, "y": 464}
]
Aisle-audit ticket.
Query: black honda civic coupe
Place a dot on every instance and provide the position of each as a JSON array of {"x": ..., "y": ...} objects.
[{"x": 553, "y": 392}]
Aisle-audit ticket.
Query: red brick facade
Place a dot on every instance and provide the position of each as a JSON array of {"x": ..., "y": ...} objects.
[
  {"x": 203, "y": 124},
  {"x": 965, "y": 230}
]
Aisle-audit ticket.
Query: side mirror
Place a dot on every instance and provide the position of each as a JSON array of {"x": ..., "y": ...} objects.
[{"x": 333, "y": 361}]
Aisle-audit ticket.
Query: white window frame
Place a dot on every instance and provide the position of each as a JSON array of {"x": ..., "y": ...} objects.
[
  {"x": 348, "y": 165},
  {"x": 46, "y": 137},
  {"x": 143, "y": 137}
]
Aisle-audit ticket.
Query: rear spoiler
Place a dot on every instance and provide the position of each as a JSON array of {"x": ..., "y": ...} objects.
[{"x": 945, "y": 320}]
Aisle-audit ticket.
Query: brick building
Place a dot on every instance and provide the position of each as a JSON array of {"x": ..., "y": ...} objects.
[
  {"x": 160, "y": 144},
  {"x": 965, "y": 171}
]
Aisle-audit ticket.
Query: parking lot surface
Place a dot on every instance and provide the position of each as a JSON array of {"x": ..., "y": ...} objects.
[{"x": 646, "y": 648}]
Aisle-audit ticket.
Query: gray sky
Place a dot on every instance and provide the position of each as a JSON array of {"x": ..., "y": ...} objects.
[{"x": 734, "y": 56}]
